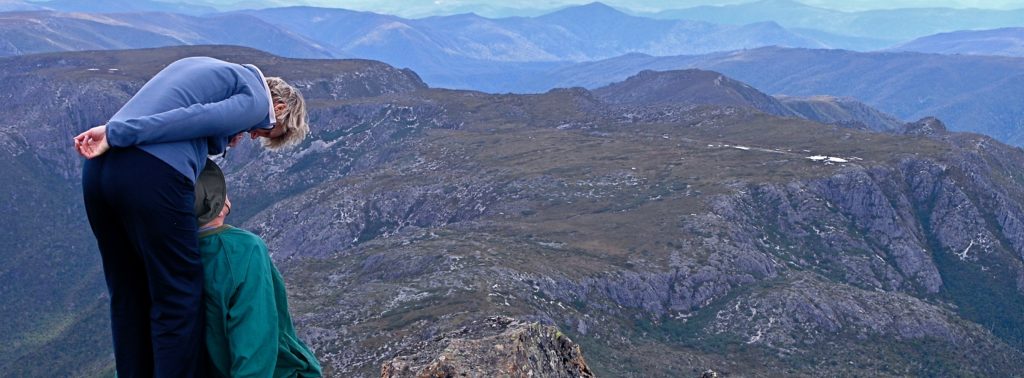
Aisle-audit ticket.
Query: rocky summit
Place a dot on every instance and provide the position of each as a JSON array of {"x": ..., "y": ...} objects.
[
  {"x": 519, "y": 350},
  {"x": 418, "y": 229}
]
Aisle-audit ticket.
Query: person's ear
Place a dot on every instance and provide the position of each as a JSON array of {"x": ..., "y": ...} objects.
[
  {"x": 279, "y": 107},
  {"x": 223, "y": 209}
]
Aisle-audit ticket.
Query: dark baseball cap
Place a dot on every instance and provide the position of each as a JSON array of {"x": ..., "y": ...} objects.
[{"x": 211, "y": 191}]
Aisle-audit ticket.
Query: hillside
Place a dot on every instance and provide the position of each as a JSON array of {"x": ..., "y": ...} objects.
[
  {"x": 841, "y": 111},
  {"x": 664, "y": 239}
]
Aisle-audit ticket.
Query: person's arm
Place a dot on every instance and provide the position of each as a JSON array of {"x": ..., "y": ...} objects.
[
  {"x": 224, "y": 118},
  {"x": 252, "y": 320}
]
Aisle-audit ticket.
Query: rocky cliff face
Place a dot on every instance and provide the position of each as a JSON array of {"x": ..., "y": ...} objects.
[
  {"x": 514, "y": 349},
  {"x": 665, "y": 240}
]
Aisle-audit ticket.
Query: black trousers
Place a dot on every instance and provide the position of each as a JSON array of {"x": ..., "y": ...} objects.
[{"x": 141, "y": 212}]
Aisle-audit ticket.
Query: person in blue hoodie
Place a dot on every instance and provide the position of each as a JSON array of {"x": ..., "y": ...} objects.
[{"x": 138, "y": 184}]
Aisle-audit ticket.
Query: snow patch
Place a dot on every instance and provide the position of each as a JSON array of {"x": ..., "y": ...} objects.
[{"x": 828, "y": 159}]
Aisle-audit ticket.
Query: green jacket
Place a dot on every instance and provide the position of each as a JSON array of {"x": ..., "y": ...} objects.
[{"x": 249, "y": 332}]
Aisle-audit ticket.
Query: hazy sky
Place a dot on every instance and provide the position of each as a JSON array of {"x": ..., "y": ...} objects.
[{"x": 424, "y": 7}]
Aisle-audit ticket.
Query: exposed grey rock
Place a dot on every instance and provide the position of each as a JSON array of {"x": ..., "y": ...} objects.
[
  {"x": 499, "y": 347},
  {"x": 928, "y": 126},
  {"x": 808, "y": 310}
]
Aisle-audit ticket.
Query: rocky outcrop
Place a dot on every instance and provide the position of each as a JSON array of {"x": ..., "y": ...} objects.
[
  {"x": 928, "y": 126},
  {"x": 498, "y": 347}
]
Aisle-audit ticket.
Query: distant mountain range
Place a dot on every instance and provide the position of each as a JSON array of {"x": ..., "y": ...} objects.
[
  {"x": 801, "y": 26},
  {"x": 1005, "y": 41},
  {"x": 119, "y": 6},
  {"x": 458, "y": 51},
  {"x": 45, "y": 31},
  {"x": 970, "y": 93},
  {"x": 884, "y": 25},
  {"x": 435, "y": 46},
  {"x": 451, "y": 51},
  {"x": 19, "y": 5},
  {"x": 534, "y": 54}
]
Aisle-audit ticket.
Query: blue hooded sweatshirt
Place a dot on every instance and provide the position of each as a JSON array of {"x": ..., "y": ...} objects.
[{"x": 190, "y": 110}]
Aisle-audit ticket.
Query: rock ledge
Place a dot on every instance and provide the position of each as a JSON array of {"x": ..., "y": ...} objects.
[{"x": 509, "y": 348}]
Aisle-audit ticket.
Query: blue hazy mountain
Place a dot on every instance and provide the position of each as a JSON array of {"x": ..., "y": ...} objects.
[
  {"x": 969, "y": 93},
  {"x": 845, "y": 42},
  {"x": 19, "y": 5},
  {"x": 451, "y": 51},
  {"x": 44, "y": 31},
  {"x": 121, "y": 6},
  {"x": 483, "y": 47},
  {"x": 593, "y": 31},
  {"x": 1004, "y": 41},
  {"x": 887, "y": 24}
]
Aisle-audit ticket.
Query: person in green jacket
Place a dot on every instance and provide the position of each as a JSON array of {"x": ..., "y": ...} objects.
[{"x": 249, "y": 332}]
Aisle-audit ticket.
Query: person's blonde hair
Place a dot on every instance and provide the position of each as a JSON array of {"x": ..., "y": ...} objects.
[{"x": 294, "y": 117}]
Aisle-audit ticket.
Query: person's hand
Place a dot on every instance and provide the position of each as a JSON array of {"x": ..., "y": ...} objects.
[{"x": 92, "y": 142}]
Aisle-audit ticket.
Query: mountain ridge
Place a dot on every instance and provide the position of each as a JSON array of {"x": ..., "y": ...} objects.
[
  {"x": 888, "y": 26},
  {"x": 1003, "y": 41},
  {"x": 39, "y": 31},
  {"x": 123, "y": 6},
  {"x": 688, "y": 87}
]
